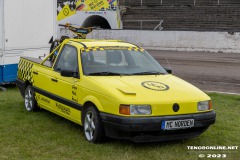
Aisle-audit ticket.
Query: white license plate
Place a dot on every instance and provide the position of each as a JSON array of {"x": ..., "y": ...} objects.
[{"x": 177, "y": 124}]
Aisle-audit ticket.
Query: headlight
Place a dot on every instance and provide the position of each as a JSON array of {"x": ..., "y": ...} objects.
[
  {"x": 135, "y": 109},
  {"x": 204, "y": 105}
]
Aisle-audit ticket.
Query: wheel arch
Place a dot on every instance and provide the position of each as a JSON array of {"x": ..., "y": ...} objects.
[
  {"x": 94, "y": 101},
  {"x": 91, "y": 101},
  {"x": 22, "y": 85},
  {"x": 27, "y": 83}
]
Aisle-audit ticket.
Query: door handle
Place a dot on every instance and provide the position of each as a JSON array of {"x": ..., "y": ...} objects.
[
  {"x": 54, "y": 80},
  {"x": 34, "y": 72}
]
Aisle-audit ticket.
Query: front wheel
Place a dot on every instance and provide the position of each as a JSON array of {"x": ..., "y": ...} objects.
[
  {"x": 93, "y": 129},
  {"x": 29, "y": 100}
]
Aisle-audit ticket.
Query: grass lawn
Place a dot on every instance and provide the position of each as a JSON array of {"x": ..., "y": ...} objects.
[{"x": 43, "y": 135}]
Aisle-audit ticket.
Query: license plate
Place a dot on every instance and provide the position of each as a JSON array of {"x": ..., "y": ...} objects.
[{"x": 177, "y": 124}]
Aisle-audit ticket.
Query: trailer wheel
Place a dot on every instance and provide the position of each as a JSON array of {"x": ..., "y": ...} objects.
[{"x": 29, "y": 100}]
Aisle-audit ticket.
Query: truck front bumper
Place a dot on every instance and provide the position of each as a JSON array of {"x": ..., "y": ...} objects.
[{"x": 148, "y": 129}]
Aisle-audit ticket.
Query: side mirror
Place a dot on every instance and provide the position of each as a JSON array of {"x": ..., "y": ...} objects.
[
  {"x": 169, "y": 70},
  {"x": 69, "y": 73}
]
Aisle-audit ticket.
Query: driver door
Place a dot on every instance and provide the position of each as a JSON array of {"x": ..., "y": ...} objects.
[
  {"x": 66, "y": 90},
  {"x": 62, "y": 90}
]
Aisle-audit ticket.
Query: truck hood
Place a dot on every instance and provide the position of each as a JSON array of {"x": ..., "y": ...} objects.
[{"x": 153, "y": 88}]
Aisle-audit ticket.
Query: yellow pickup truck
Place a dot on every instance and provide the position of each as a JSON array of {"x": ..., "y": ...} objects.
[{"x": 114, "y": 89}]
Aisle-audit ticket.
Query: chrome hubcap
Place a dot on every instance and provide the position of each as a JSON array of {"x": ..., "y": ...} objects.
[
  {"x": 89, "y": 125},
  {"x": 28, "y": 99}
]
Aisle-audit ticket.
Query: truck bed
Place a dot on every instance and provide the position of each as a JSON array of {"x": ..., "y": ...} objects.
[{"x": 38, "y": 60}]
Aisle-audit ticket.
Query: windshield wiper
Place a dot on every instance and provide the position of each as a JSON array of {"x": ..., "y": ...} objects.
[
  {"x": 148, "y": 73},
  {"x": 122, "y": 74},
  {"x": 104, "y": 73}
]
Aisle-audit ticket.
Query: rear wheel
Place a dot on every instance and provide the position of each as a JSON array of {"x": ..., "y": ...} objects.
[
  {"x": 93, "y": 129},
  {"x": 29, "y": 100}
]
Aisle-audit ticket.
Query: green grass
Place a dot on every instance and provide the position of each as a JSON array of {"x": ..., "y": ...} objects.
[{"x": 43, "y": 135}]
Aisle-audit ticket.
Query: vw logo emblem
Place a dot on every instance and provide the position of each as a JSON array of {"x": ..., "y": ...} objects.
[{"x": 176, "y": 107}]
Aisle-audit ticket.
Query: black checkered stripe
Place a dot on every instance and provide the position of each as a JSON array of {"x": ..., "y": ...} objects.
[
  {"x": 111, "y": 48},
  {"x": 24, "y": 70}
]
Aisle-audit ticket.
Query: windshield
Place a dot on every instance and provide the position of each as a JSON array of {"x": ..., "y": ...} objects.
[{"x": 120, "y": 62}]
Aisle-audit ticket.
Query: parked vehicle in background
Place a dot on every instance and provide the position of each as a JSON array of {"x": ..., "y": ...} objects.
[{"x": 25, "y": 30}]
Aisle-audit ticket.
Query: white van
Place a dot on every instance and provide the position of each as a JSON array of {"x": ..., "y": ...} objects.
[{"x": 26, "y": 26}]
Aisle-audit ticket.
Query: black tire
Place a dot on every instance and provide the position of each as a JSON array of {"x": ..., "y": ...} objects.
[
  {"x": 29, "y": 100},
  {"x": 92, "y": 125}
]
